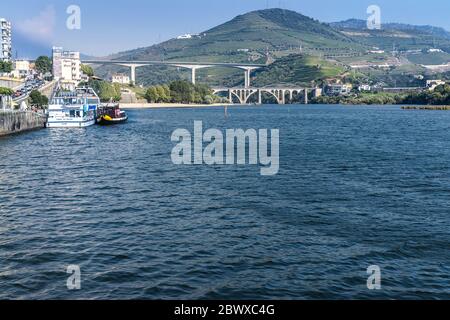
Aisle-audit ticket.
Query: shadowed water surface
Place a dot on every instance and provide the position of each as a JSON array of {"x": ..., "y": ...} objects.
[{"x": 357, "y": 186}]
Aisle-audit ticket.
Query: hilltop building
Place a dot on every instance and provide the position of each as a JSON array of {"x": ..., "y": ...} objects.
[
  {"x": 184, "y": 36},
  {"x": 66, "y": 65},
  {"x": 5, "y": 40}
]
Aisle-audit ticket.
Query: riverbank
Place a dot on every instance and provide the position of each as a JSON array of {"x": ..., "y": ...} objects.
[
  {"x": 171, "y": 105},
  {"x": 12, "y": 122}
]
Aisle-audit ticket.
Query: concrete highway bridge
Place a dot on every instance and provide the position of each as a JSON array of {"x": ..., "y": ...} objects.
[
  {"x": 281, "y": 94},
  {"x": 248, "y": 68}
]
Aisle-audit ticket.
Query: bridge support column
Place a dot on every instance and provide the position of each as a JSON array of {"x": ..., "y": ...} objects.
[
  {"x": 133, "y": 67},
  {"x": 193, "y": 70},
  {"x": 247, "y": 75},
  {"x": 247, "y": 79},
  {"x": 133, "y": 74},
  {"x": 306, "y": 96},
  {"x": 259, "y": 96}
]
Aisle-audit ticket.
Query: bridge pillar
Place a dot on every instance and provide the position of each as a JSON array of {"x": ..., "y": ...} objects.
[
  {"x": 133, "y": 74},
  {"x": 193, "y": 70},
  {"x": 246, "y": 79},
  {"x": 247, "y": 74},
  {"x": 259, "y": 96},
  {"x": 133, "y": 67},
  {"x": 306, "y": 96}
]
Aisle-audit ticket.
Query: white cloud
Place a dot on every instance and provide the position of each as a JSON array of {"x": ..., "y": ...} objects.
[{"x": 41, "y": 27}]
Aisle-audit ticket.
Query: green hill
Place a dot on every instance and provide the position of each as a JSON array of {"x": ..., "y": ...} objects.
[
  {"x": 246, "y": 38},
  {"x": 298, "y": 70},
  {"x": 401, "y": 36},
  {"x": 281, "y": 35},
  {"x": 257, "y": 32}
]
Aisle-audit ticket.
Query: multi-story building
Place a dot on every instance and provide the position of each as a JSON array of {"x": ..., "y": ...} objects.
[
  {"x": 66, "y": 65},
  {"x": 5, "y": 40},
  {"x": 120, "y": 78},
  {"x": 338, "y": 89}
]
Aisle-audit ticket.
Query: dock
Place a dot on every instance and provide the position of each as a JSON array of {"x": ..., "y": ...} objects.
[{"x": 432, "y": 108}]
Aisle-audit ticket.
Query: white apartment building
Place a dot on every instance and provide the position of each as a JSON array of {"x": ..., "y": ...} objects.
[
  {"x": 66, "y": 65},
  {"x": 5, "y": 40},
  {"x": 338, "y": 89}
]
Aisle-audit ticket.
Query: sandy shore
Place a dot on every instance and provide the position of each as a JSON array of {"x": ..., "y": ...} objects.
[{"x": 170, "y": 105}]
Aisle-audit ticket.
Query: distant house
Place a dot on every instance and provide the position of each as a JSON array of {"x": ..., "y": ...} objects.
[
  {"x": 189, "y": 36},
  {"x": 338, "y": 89},
  {"x": 84, "y": 77},
  {"x": 120, "y": 78},
  {"x": 184, "y": 36},
  {"x": 22, "y": 68},
  {"x": 434, "y": 50},
  {"x": 432, "y": 84},
  {"x": 364, "y": 87},
  {"x": 377, "y": 51},
  {"x": 317, "y": 92}
]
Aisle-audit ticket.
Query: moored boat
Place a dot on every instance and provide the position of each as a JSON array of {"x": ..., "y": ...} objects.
[
  {"x": 110, "y": 114},
  {"x": 73, "y": 109}
]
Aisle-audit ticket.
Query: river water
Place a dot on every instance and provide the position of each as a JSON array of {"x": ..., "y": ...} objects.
[{"x": 357, "y": 186}]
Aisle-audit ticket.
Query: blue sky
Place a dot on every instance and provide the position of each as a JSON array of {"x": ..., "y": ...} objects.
[{"x": 113, "y": 26}]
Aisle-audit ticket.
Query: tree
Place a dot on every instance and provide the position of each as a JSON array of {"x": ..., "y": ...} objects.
[
  {"x": 6, "y": 66},
  {"x": 162, "y": 96},
  {"x": 6, "y": 91},
  {"x": 182, "y": 91},
  {"x": 87, "y": 70},
  {"x": 37, "y": 99},
  {"x": 106, "y": 91},
  {"x": 167, "y": 92},
  {"x": 44, "y": 64},
  {"x": 152, "y": 95},
  {"x": 201, "y": 93}
]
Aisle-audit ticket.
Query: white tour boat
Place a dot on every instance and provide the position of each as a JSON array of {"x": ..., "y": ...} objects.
[{"x": 73, "y": 109}]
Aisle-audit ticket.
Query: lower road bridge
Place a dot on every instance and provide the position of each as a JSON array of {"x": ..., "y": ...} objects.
[{"x": 282, "y": 95}]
